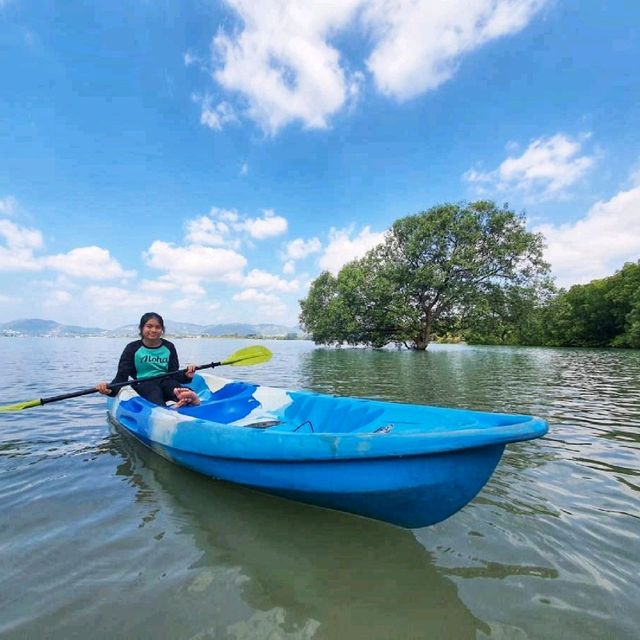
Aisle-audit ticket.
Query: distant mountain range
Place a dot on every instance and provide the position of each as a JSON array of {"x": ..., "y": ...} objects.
[{"x": 51, "y": 329}]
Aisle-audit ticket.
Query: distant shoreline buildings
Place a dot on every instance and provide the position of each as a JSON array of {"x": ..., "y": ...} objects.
[{"x": 33, "y": 327}]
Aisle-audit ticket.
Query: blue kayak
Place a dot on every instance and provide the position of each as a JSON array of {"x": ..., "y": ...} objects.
[{"x": 410, "y": 465}]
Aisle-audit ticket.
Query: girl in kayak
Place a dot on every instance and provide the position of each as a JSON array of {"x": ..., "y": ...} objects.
[{"x": 152, "y": 355}]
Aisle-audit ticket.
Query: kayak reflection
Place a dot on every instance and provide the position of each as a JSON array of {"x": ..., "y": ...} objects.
[{"x": 326, "y": 574}]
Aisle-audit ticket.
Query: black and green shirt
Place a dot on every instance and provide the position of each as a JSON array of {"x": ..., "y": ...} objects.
[{"x": 139, "y": 361}]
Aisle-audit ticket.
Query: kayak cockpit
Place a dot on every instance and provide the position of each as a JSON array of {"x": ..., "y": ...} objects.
[{"x": 242, "y": 404}]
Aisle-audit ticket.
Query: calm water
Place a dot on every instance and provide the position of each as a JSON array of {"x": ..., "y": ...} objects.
[{"x": 101, "y": 538}]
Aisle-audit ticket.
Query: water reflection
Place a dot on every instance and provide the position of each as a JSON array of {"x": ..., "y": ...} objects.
[
  {"x": 450, "y": 376},
  {"x": 320, "y": 573}
]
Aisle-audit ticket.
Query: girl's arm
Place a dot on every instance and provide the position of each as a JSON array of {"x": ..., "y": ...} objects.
[
  {"x": 126, "y": 365},
  {"x": 126, "y": 369}
]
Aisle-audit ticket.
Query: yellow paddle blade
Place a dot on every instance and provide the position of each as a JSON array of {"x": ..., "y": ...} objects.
[
  {"x": 249, "y": 355},
  {"x": 19, "y": 406}
]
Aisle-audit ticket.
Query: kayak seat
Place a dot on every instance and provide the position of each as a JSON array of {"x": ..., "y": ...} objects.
[
  {"x": 205, "y": 394},
  {"x": 231, "y": 403},
  {"x": 232, "y": 390}
]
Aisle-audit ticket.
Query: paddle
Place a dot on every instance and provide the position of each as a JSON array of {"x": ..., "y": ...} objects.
[{"x": 256, "y": 354}]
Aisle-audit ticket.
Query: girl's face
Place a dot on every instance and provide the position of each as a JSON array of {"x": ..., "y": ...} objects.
[{"x": 152, "y": 330}]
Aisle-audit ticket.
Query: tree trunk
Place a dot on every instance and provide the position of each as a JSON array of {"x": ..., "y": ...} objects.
[{"x": 421, "y": 341}]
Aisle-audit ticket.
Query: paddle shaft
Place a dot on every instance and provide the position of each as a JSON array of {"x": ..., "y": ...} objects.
[
  {"x": 256, "y": 354},
  {"x": 119, "y": 385}
]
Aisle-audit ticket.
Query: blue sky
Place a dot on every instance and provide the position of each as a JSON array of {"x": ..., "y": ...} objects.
[{"x": 207, "y": 159}]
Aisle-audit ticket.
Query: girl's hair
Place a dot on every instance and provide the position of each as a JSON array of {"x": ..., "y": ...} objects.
[{"x": 150, "y": 316}]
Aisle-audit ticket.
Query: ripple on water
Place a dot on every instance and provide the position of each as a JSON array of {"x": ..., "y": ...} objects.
[{"x": 97, "y": 536}]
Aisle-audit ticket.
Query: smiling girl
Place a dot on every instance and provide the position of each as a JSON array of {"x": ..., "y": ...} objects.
[{"x": 152, "y": 355}]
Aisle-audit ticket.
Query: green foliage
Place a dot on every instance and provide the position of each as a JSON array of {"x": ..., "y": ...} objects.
[
  {"x": 512, "y": 315},
  {"x": 624, "y": 298},
  {"x": 433, "y": 271},
  {"x": 320, "y": 313},
  {"x": 603, "y": 313},
  {"x": 588, "y": 320},
  {"x": 349, "y": 308},
  {"x": 631, "y": 337}
]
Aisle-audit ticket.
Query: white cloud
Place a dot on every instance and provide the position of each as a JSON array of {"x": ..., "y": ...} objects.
[
  {"x": 342, "y": 248},
  {"x": 219, "y": 226},
  {"x": 195, "y": 262},
  {"x": 8, "y": 205},
  {"x": 547, "y": 167},
  {"x": 419, "y": 43},
  {"x": 107, "y": 298},
  {"x": 258, "y": 279},
  {"x": 185, "y": 303},
  {"x": 277, "y": 312},
  {"x": 598, "y": 244},
  {"x": 289, "y": 267},
  {"x": 218, "y": 116},
  {"x": 17, "y": 237},
  {"x": 190, "y": 59},
  {"x": 161, "y": 285},
  {"x": 284, "y": 66},
  {"x": 226, "y": 215},
  {"x": 195, "y": 303},
  {"x": 634, "y": 178},
  {"x": 17, "y": 254},
  {"x": 20, "y": 243},
  {"x": 58, "y": 298},
  {"x": 281, "y": 62},
  {"x": 244, "y": 169},
  {"x": 266, "y": 306},
  {"x": 355, "y": 89},
  {"x": 192, "y": 289},
  {"x": 87, "y": 262},
  {"x": 253, "y": 295},
  {"x": 61, "y": 283},
  {"x": 298, "y": 249},
  {"x": 268, "y": 226},
  {"x": 205, "y": 231},
  {"x": 9, "y": 299}
]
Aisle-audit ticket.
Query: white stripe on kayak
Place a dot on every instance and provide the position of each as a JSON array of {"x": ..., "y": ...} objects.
[{"x": 272, "y": 401}]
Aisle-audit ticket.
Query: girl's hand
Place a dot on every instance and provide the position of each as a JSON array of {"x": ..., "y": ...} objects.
[
  {"x": 191, "y": 370},
  {"x": 103, "y": 388}
]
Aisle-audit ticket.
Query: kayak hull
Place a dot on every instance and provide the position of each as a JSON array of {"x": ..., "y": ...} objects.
[{"x": 411, "y": 479}]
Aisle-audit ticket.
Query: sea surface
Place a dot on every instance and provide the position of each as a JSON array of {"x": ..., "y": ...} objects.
[{"x": 101, "y": 538}]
